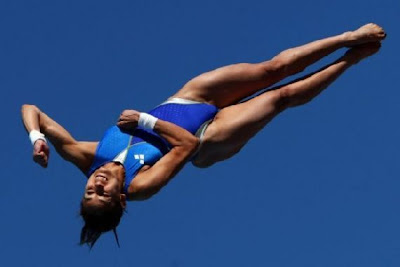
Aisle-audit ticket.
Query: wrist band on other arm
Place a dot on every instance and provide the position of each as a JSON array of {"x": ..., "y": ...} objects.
[
  {"x": 147, "y": 121},
  {"x": 35, "y": 135}
]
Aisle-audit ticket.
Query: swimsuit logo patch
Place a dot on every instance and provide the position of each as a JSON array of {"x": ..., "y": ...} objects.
[{"x": 140, "y": 157}]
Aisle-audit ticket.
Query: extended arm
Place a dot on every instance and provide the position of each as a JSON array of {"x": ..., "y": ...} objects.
[
  {"x": 150, "y": 181},
  {"x": 79, "y": 153}
]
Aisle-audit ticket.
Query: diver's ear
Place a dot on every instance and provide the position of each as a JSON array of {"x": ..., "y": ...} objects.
[{"x": 122, "y": 199}]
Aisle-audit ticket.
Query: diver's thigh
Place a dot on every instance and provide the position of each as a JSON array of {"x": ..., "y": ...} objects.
[
  {"x": 227, "y": 85},
  {"x": 238, "y": 123},
  {"x": 235, "y": 125}
]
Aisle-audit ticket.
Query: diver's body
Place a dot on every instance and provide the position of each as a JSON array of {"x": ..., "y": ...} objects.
[
  {"x": 141, "y": 148},
  {"x": 235, "y": 123},
  {"x": 230, "y": 129}
]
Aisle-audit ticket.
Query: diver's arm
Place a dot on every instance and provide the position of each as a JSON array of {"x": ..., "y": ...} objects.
[
  {"x": 79, "y": 153},
  {"x": 173, "y": 134},
  {"x": 184, "y": 144},
  {"x": 150, "y": 181}
]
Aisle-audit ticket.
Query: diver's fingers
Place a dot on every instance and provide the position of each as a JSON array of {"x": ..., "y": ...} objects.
[
  {"x": 41, "y": 159},
  {"x": 128, "y": 120},
  {"x": 129, "y": 115},
  {"x": 41, "y": 153},
  {"x": 126, "y": 125},
  {"x": 129, "y": 112}
]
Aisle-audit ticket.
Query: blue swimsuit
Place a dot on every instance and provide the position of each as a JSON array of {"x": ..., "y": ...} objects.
[{"x": 145, "y": 147}]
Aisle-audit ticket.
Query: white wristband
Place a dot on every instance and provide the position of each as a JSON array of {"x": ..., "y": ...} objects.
[
  {"x": 147, "y": 121},
  {"x": 35, "y": 135}
]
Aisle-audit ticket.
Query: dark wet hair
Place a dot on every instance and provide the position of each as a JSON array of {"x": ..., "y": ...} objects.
[{"x": 99, "y": 220}]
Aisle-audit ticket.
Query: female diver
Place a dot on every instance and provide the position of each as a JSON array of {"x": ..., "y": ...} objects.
[{"x": 204, "y": 122}]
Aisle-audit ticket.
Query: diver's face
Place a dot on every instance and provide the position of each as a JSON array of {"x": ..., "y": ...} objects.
[{"x": 104, "y": 185}]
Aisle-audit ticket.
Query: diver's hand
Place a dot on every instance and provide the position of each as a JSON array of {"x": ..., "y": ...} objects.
[
  {"x": 41, "y": 153},
  {"x": 128, "y": 120}
]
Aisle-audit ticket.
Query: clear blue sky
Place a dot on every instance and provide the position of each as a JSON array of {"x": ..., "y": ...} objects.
[{"x": 319, "y": 186}]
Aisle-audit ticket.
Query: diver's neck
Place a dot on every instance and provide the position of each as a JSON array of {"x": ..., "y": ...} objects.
[{"x": 120, "y": 178}]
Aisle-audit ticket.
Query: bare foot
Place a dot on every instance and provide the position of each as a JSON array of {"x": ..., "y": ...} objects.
[
  {"x": 360, "y": 52},
  {"x": 370, "y": 32}
]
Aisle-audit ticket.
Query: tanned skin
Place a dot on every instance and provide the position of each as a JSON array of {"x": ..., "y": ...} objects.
[{"x": 233, "y": 126}]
